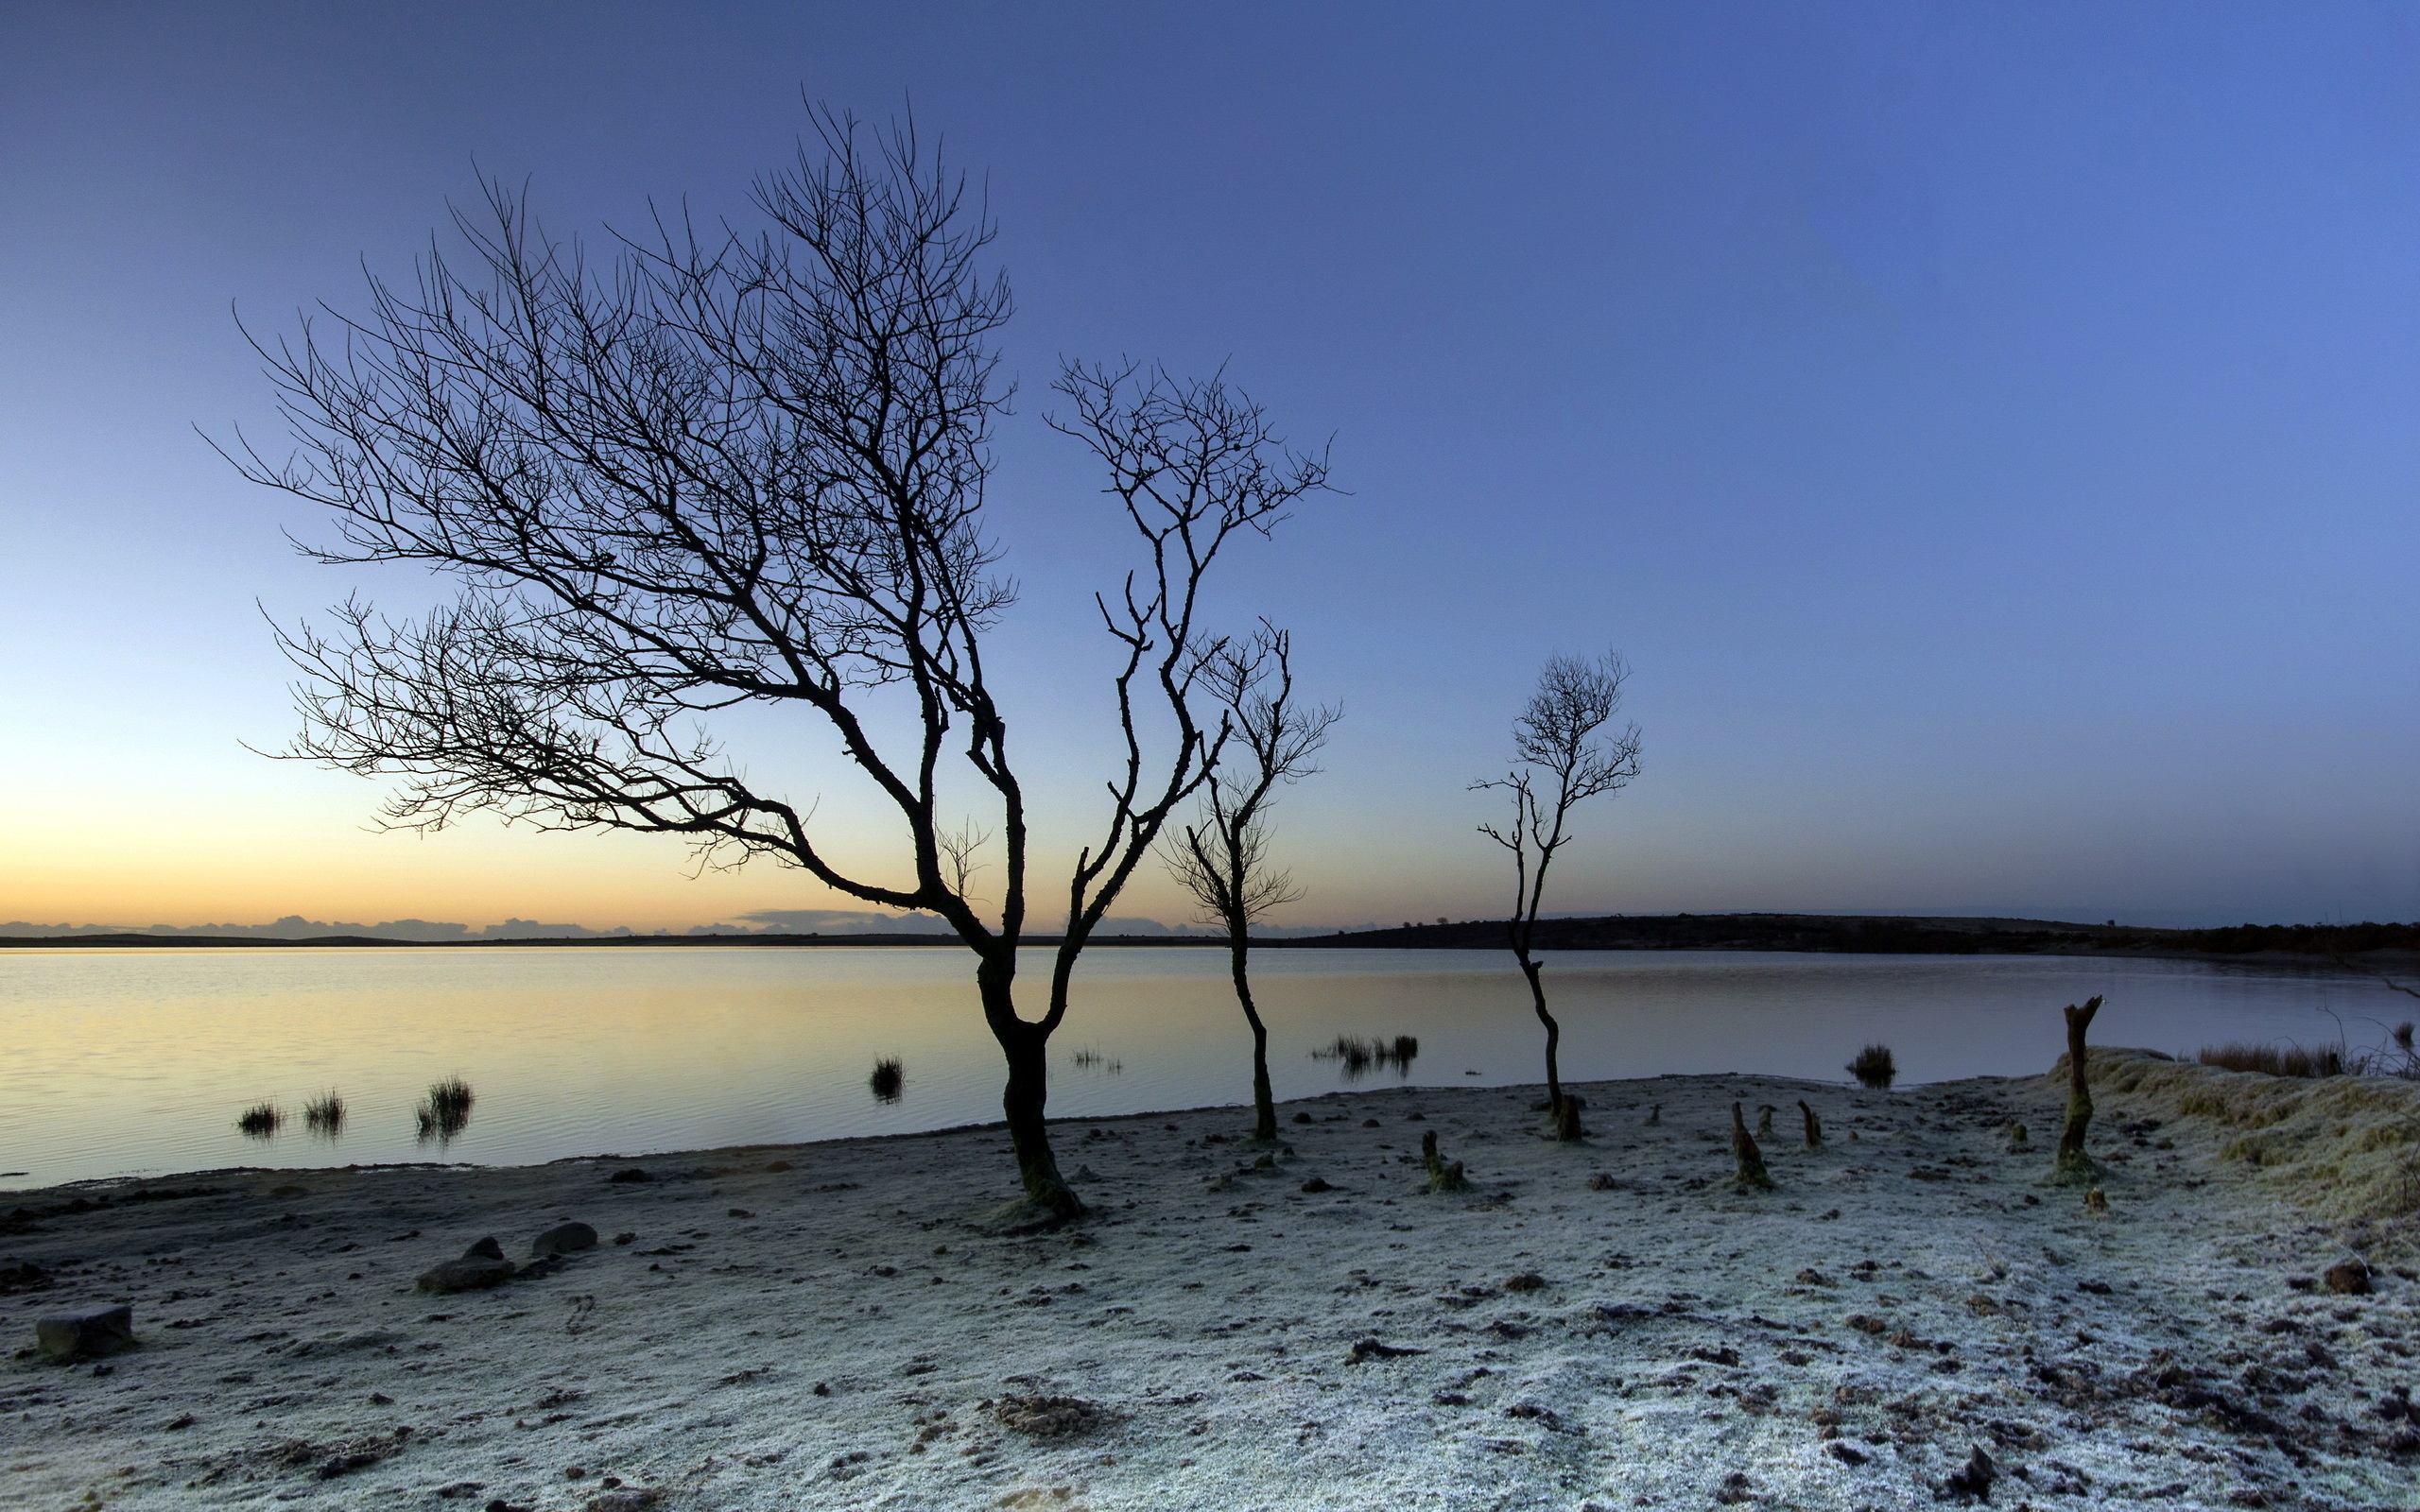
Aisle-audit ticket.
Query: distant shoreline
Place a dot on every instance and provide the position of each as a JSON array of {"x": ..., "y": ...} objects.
[{"x": 1820, "y": 933}]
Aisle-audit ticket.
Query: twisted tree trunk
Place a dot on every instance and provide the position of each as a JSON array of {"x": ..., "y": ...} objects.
[
  {"x": 1264, "y": 1104},
  {"x": 1027, "y": 1047},
  {"x": 2073, "y": 1165}
]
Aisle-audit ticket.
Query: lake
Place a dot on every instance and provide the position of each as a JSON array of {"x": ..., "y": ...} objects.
[{"x": 117, "y": 1062}]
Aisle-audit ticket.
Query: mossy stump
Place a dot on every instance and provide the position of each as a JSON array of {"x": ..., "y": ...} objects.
[
  {"x": 1751, "y": 1177},
  {"x": 2072, "y": 1167},
  {"x": 1567, "y": 1119},
  {"x": 1444, "y": 1176}
]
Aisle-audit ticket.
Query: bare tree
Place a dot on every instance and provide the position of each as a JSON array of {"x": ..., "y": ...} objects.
[
  {"x": 1564, "y": 755},
  {"x": 722, "y": 468},
  {"x": 1222, "y": 859}
]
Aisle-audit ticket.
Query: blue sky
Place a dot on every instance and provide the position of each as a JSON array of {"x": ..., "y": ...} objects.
[{"x": 1989, "y": 431}]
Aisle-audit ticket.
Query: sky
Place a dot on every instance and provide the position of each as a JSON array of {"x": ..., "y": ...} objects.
[{"x": 1991, "y": 433}]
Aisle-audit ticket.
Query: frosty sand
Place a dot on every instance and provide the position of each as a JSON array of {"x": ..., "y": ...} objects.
[{"x": 826, "y": 1325}]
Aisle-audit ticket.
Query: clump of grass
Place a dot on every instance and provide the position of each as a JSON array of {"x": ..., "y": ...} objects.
[
  {"x": 1356, "y": 1056},
  {"x": 260, "y": 1121},
  {"x": 889, "y": 1076},
  {"x": 1874, "y": 1066},
  {"x": 446, "y": 1110},
  {"x": 325, "y": 1114},
  {"x": 2274, "y": 1061},
  {"x": 1090, "y": 1058}
]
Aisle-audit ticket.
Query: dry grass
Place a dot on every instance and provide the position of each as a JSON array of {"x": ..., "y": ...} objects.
[
  {"x": 2347, "y": 1146},
  {"x": 260, "y": 1121},
  {"x": 2274, "y": 1061},
  {"x": 1874, "y": 1066}
]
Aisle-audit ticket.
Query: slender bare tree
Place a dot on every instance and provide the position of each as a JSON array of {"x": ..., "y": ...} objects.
[
  {"x": 1564, "y": 755},
  {"x": 722, "y": 468},
  {"x": 1222, "y": 859}
]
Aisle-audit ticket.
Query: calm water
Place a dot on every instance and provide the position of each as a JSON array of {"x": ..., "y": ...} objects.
[{"x": 116, "y": 1062}]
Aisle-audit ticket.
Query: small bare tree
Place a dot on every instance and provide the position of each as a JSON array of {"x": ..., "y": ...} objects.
[
  {"x": 1222, "y": 859},
  {"x": 722, "y": 468},
  {"x": 1564, "y": 755}
]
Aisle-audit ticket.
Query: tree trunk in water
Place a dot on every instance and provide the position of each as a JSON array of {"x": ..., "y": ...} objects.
[
  {"x": 2073, "y": 1163},
  {"x": 1565, "y": 1120},
  {"x": 1027, "y": 1097},
  {"x": 1264, "y": 1104}
]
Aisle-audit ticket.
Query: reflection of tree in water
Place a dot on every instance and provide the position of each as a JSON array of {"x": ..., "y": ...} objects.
[
  {"x": 890, "y": 1076},
  {"x": 1357, "y": 1057},
  {"x": 446, "y": 1112}
]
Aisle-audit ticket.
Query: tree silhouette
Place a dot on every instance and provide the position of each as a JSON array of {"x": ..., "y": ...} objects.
[
  {"x": 711, "y": 469},
  {"x": 1562, "y": 756},
  {"x": 1222, "y": 860}
]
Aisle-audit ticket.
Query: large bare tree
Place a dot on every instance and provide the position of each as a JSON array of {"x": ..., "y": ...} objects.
[
  {"x": 1222, "y": 859},
  {"x": 709, "y": 468},
  {"x": 1564, "y": 755}
]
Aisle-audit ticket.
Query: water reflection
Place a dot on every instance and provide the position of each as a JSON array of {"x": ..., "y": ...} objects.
[
  {"x": 887, "y": 1080},
  {"x": 581, "y": 1050},
  {"x": 1356, "y": 1057},
  {"x": 445, "y": 1112}
]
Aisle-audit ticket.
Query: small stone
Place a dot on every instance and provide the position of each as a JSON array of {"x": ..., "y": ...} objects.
[
  {"x": 1811, "y": 1277},
  {"x": 574, "y": 1472},
  {"x": 1841, "y": 1451},
  {"x": 630, "y": 1173},
  {"x": 485, "y": 1249},
  {"x": 1318, "y": 1184},
  {"x": 21, "y": 1275},
  {"x": 2352, "y": 1278},
  {"x": 1373, "y": 1349},
  {"x": 742, "y": 1213},
  {"x": 1602, "y": 1181},
  {"x": 90, "y": 1331},
  {"x": 625, "y": 1238},
  {"x": 1301, "y": 1118},
  {"x": 1369, "y": 1122},
  {"x": 469, "y": 1274},
  {"x": 562, "y": 1239},
  {"x": 1976, "y": 1478},
  {"x": 1527, "y": 1280}
]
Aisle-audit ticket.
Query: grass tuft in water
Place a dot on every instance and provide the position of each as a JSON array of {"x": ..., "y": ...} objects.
[
  {"x": 1356, "y": 1057},
  {"x": 260, "y": 1121},
  {"x": 1090, "y": 1058},
  {"x": 446, "y": 1110},
  {"x": 325, "y": 1114},
  {"x": 890, "y": 1076},
  {"x": 1874, "y": 1066}
]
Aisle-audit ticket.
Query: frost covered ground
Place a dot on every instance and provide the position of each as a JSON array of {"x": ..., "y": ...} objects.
[{"x": 825, "y": 1327}]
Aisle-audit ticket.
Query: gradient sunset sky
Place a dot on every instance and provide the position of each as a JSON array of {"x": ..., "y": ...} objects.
[{"x": 1991, "y": 432}]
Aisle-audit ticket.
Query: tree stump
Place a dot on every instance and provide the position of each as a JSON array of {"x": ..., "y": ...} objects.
[
  {"x": 1814, "y": 1125},
  {"x": 1752, "y": 1160},
  {"x": 1444, "y": 1176},
  {"x": 2073, "y": 1167}
]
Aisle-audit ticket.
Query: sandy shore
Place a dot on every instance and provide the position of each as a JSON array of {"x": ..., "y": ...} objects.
[{"x": 824, "y": 1326}]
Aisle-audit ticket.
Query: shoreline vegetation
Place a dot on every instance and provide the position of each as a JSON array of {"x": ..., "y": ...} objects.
[
  {"x": 1906, "y": 1311},
  {"x": 1847, "y": 934}
]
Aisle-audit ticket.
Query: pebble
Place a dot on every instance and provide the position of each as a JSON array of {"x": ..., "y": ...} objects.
[{"x": 562, "y": 1239}]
